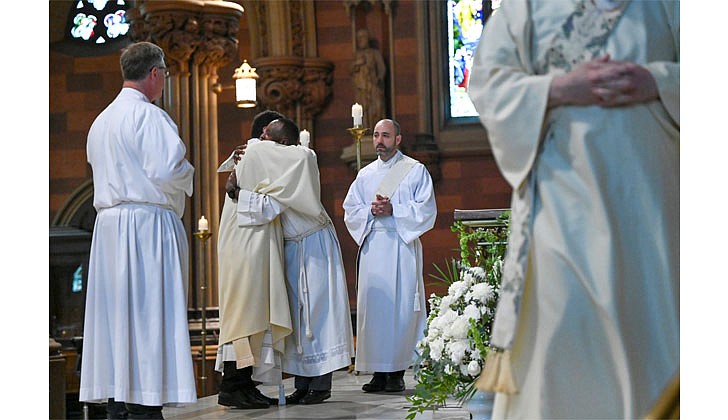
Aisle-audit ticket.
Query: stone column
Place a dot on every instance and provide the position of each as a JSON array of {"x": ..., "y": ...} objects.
[
  {"x": 198, "y": 38},
  {"x": 293, "y": 80}
]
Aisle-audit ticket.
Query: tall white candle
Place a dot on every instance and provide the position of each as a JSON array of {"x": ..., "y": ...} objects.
[
  {"x": 356, "y": 112},
  {"x": 202, "y": 224},
  {"x": 305, "y": 138}
]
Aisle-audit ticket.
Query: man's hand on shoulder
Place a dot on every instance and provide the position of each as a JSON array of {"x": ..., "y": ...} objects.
[
  {"x": 231, "y": 186},
  {"x": 239, "y": 152}
]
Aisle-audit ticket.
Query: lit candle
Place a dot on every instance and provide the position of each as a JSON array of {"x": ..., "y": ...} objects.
[
  {"x": 356, "y": 112},
  {"x": 202, "y": 225},
  {"x": 305, "y": 138}
]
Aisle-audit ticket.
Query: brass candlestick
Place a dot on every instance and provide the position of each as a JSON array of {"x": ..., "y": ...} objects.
[
  {"x": 203, "y": 236},
  {"x": 358, "y": 131}
]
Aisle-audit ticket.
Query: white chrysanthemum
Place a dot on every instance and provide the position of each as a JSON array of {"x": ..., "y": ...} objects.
[
  {"x": 445, "y": 321},
  {"x": 473, "y": 368},
  {"x": 447, "y": 316},
  {"x": 457, "y": 289},
  {"x": 472, "y": 312},
  {"x": 479, "y": 272},
  {"x": 433, "y": 332},
  {"x": 446, "y": 301},
  {"x": 456, "y": 349},
  {"x": 438, "y": 322},
  {"x": 436, "y": 347},
  {"x": 464, "y": 368},
  {"x": 481, "y": 292},
  {"x": 459, "y": 328}
]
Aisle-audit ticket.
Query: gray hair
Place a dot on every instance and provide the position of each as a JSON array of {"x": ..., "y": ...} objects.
[{"x": 139, "y": 58}]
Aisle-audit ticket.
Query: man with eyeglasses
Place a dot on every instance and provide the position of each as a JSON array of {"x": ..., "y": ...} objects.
[{"x": 136, "y": 347}]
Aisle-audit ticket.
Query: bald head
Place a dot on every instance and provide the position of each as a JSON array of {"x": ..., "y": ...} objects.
[
  {"x": 281, "y": 130},
  {"x": 386, "y": 138}
]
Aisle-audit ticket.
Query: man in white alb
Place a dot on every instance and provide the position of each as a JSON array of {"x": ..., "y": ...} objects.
[
  {"x": 136, "y": 346},
  {"x": 390, "y": 204}
]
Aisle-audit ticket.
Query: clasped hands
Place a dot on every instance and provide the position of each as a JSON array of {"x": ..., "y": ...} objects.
[
  {"x": 381, "y": 206},
  {"x": 603, "y": 82}
]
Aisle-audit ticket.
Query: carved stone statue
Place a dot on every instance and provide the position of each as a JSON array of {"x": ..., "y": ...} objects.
[{"x": 368, "y": 71}]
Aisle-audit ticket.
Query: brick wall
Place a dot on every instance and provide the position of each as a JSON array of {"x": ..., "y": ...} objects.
[{"x": 80, "y": 87}]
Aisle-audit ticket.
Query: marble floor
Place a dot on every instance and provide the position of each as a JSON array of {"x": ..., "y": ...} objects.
[{"x": 347, "y": 401}]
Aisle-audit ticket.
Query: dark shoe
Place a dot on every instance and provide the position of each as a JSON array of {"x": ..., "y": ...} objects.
[
  {"x": 138, "y": 411},
  {"x": 296, "y": 396},
  {"x": 263, "y": 397},
  {"x": 379, "y": 380},
  {"x": 395, "y": 383},
  {"x": 315, "y": 397},
  {"x": 240, "y": 399}
]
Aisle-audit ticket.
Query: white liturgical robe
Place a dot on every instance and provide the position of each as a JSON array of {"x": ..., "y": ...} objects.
[
  {"x": 136, "y": 345},
  {"x": 252, "y": 285},
  {"x": 391, "y": 312},
  {"x": 322, "y": 339},
  {"x": 598, "y": 330}
]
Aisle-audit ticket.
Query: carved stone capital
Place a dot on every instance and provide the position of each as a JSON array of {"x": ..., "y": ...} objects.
[
  {"x": 280, "y": 82},
  {"x": 219, "y": 41},
  {"x": 205, "y": 31},
  {"x": 317, "y": 80},
  {"x": 138, "y": 29}
]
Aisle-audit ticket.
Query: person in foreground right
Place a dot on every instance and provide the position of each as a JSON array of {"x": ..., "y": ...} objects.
[{"x": 581, "y": 104}]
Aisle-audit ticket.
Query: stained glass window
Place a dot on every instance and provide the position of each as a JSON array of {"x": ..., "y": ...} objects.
[
  {"x": 77, "y": 284},
  {"x": 465, "y": 21},
  {"x": 98, "y": 21}
]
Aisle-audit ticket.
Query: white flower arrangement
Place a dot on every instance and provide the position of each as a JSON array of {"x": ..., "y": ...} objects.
[
  {"x": 452, "y": 353},
  {"x": 456, "y": 340}
]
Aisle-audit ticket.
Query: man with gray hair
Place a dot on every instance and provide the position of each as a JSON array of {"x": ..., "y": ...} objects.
[{"x": 136, "y": 346}]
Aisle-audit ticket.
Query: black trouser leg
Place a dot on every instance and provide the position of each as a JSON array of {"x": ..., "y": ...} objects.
[
  {"x": 234, "y": 378},
  {"x": 316, "y": 383},
  {"x": 302, "y": 382},
  {"x": 321, "y": 382},
  {"x": 138, "y": 411},
  {"x": 116, "y": 410}
]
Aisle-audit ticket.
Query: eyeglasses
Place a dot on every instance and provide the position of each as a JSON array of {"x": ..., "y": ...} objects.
[{"x": 164, "y": 70}]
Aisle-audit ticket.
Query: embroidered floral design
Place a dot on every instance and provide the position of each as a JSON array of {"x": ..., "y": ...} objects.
[{"x": 582, "y": 36}]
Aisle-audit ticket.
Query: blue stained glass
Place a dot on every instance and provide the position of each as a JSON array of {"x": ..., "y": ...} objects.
[
  {"x": 116, "y": 24},
  {"x": 77, "y": 284}
]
